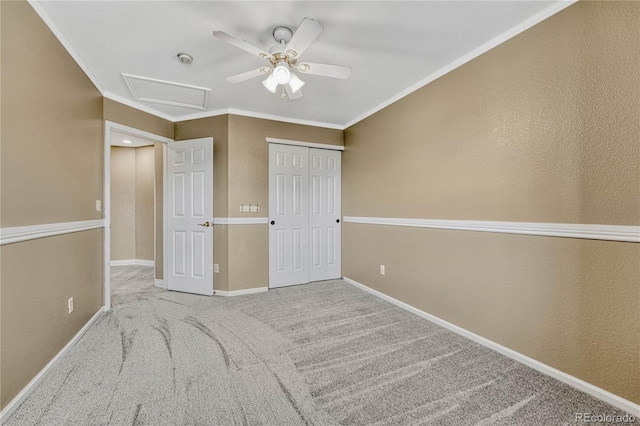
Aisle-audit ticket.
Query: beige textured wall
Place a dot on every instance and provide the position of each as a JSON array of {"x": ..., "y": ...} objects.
[
  {"x": 145, "y": 203},
  {"x": 51, "y": 118},
  {"x": 249, "y": 157},
  {"x": 249, "y": 184},
  {"x": 216, "y": 127},
  {"x": 124, "y": 114},
  {"x": 123, "y": 203},
  {"x": 38, "y": 277},
  {"x": 132, "y": 203},
  {"x": 543, "y": 128},
  {"x": 51, "y": 171},
  {"x": 240, "y": 175}
]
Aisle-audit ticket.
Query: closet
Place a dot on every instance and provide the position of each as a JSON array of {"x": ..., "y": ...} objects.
[{"x": 304, "y": 214}]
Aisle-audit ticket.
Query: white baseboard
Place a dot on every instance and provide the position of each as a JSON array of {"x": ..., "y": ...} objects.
[
  {"x": 240, "y": 292},
  {"x": 159, "y": 283},
  {"x": 130, "y": 262},
  {"x": 24, "y": 393},
  {"x": 588, "y": 388}
]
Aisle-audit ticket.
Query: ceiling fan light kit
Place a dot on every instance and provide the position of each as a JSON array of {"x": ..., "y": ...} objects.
[{"x": 284, "y": 57}]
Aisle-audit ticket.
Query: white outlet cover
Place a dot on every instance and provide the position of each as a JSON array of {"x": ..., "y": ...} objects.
[
  {"x": 216, "y": 268},
  {"x": 98, "y": 205}
]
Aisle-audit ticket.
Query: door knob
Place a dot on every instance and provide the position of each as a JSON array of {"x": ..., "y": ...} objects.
[
  {"x": 206, "y": 224},
  {"x": 337, "y": 220},
  {"x": 273, "y": 222}
]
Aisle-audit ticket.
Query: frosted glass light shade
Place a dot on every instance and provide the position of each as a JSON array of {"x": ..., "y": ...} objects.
[
  {"x": 295, "y": 83},
  {"x": 271, "y": 83}
]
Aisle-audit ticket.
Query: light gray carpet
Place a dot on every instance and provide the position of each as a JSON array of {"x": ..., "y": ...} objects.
[{"x": 321, "y": 354}]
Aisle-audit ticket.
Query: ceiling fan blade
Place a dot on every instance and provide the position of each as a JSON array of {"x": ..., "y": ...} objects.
[
  {"x": 308, "y": 31},
  {"x": 291, "y": 94},
  {"x": 241, "y": 44},
  {"x": 248, "y": 75},
  {"x": 335, "y": 71}
]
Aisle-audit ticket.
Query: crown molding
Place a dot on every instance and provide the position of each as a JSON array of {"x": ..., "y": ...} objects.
[
  {"x": 274, "y": 117},
  {"x": 483, "y": 48},
  {"x": 136, "y": 105},
  {"x": 65, "y": 43}
]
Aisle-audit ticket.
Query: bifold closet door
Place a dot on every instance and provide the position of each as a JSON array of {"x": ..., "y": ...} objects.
[
  {"x": 288, "y": 215},
  {"x": 324, "y": 214}
]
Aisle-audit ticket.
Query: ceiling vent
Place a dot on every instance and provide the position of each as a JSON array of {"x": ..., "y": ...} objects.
[{"x": 167, "y": 92}]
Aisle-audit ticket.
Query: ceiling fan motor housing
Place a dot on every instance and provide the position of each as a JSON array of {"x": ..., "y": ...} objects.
[{"x": 282, "y": 35}]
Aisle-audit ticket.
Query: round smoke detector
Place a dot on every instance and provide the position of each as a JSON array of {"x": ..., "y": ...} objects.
[
  {"x": 282, "y": 35},
  {"x": 184, "y": 58}
]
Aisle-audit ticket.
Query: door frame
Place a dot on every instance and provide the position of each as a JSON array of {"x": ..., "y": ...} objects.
[
  {"x": 316, "y": 145},
  {"x": 106, "y": 201}
]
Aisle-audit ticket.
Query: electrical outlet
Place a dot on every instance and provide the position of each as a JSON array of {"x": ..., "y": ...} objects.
[
  {"x": 216, "y": 268},
  {"x": 70, "y": 304},
  {"x": 381, "y": 269},
  {"x": 98, "y": 205}
]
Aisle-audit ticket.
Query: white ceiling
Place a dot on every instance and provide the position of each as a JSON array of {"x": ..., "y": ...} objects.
[
  {"x": 393, "y": 48},
  {"x": 118, "y": 139}
]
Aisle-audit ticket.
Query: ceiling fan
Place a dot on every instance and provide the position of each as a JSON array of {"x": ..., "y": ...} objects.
[{"x": 283, "y": 59}]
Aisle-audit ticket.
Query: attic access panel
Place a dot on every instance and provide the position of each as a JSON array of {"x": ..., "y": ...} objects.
[{"x": 167, "y": 92}]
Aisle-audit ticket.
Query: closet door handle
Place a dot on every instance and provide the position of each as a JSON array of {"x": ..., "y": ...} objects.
[
  {"x": 337, "y": 220},
  {"x": 273, "y": 222}
]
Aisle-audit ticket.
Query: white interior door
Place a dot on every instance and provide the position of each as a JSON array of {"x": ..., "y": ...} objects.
[
  {"x": 324, "y": 214},
  {"x": 288, "y": 215},
  {"x": 190, "y": 216},
  {"x": 304, "y": 213}
]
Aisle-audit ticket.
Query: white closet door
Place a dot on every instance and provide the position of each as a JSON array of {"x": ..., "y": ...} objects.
[
  {"x": 324, "y": 214},
  {"x": 288, "y": 215}
]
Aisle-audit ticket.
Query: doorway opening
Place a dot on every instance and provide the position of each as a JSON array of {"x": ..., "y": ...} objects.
[{"x": 134, "y": 182}]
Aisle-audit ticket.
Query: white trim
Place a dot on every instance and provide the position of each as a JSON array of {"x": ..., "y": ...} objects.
[
  {"x": 512, "y": 32},
  {"x": 307, "y": 144},
  {"x": 567, "y": 230},
  {"x": 37, "y": 6},
  {"x": 253, "y": 114},
  {"x": 136, "y": 105},
  {"x": 580, "y": 384},
  {"x": 291, "y": 120},
  {"x": 108, "y": 126},
  {"x": 240, "y": 220},
  {"x": 483, "y": 48},
  {"x": 203, "y": 114},
  {"x": 160, "y": 284},
  {"x": 17, "y": 234},
  {"x": 136, "y": 132},
  {"x": 133, "y": 262},
  {"x": 240, "y": 292},
  {"x": 218, "y": 112},
  {"x": 24, "y": 393}
]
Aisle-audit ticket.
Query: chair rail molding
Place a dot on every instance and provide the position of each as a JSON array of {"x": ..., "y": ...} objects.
[
  {"x": 25, "y": 233},
  {"x": 566, "y": 230}
]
